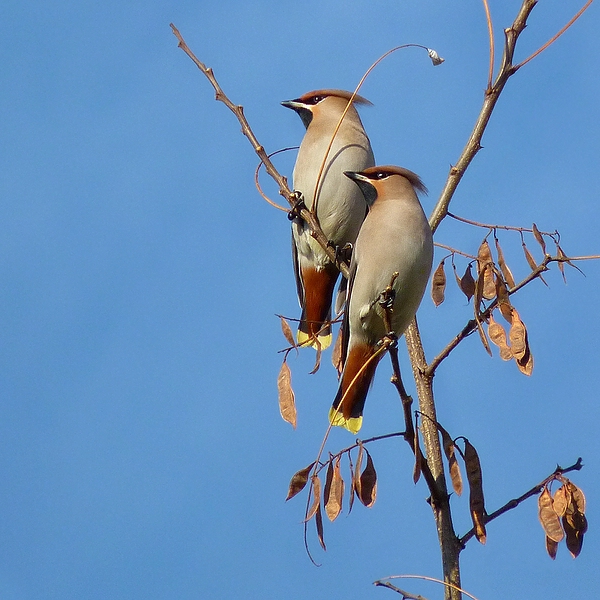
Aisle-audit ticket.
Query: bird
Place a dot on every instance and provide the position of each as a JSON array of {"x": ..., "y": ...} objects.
[
  {"x": 394, "y": 238},
  {"x": 339, "y": 205}
]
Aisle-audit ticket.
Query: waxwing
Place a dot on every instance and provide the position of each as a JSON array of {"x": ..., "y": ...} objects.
[
  {"x": 395, "y": 237},
  {"x": 340, "y": 205}
]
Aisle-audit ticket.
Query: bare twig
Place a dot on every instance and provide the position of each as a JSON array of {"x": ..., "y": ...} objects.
[
  {"x": 257, "y": 180},
  {"x": 555, "y": 37},
  {"x": 551, "y": 234},
  {"x": 455, "y": 251},
  {"x": 488, "y": 18},
  {"x": 426, "y": 578},
  {"x": 358, "y": 443},
  {"x": 292, "y": 197},
  {"x": 536, "y": 489},
  {"x": 491, "y": 97},
  {"x": 405, "y": 595}
]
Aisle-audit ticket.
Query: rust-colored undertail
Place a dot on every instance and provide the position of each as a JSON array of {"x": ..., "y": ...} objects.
[
  {"x": 351, "y": 395},
  {"x": 316, "y": 312}
]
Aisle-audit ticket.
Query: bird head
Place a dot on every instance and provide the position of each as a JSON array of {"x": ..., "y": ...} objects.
[
  {"x": 318, "y": 102},
  {"x": 374, "y": 180}
]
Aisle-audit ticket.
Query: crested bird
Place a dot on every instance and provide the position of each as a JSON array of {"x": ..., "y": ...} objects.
[
  {"x": 339, "y": 205},
  {"x": 395, "y": 238}
]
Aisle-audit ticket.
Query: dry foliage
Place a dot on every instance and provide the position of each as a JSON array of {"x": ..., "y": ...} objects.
[{"x": 562, "y": 516}]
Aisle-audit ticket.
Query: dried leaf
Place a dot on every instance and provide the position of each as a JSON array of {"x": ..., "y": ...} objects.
[
  {"x": 506, "y": 310},
  {"x": 287, "y": 399},
  {"x": 560, "y": 501},
  {"x": 316, "y": 490},
  {"x": 287, "y": 332},
  {"x": 483, "y": 337},
  {"x": 498, "y": 337},
  {"x": 525, "y": 364},
  {"x": 561, "y": 264},
  {"x": 448, "y": 445},
  {"x": 484, "y": 255},
  {"x": 368, "y": 483},
  {"x": 502, "y": 291},
  {"x": 578, "y": 497},
  {"x": 455, "y": 273},
  {"x": 530, "y": 260},
  {"x": 352, "y": 487},
  {"x": 485, "y": 270},
  {"x": 333, "y": 500},
  {"x": 548, "y": 517},
  {"x": 336, "y": 355},
  {"x": 506, "y": 272},
  {"x": 551, "y": 548},
  {"x": 328, "y": 480},
  {"x": 575, "y": 526},
  {"x": 467, "y": 283},
  {"x": 299, "y": 481},
  {"x": 561, "y": 254},
  {"x": 418, "y": 454},
  {"x": 538, "y": 236},
  {"x": 489, "y": 282},
  {"x": 476, "y": 499},
  {"x": 517, "y": 336},
  {"x": 357, "y": 467},
  {"x": 478, "y": 294},
  {"x": 319, "y": 522},
  {"x": 317, "y": 359},
  {"x": 438, "y": 284}
]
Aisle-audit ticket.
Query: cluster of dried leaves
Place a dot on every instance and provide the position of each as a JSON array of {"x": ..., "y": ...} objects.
[
  {"x": 363, "y": 485},
  {"x": 491, "y": 291},
  {"x": 562, "y": 516}
]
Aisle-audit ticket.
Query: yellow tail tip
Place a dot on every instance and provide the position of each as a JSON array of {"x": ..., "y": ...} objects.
[
  {"x": 306, "y": 340},
  {"x": 337, "y": 419}
]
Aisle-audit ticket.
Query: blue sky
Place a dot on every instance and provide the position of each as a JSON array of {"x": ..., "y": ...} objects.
[{"x": 142, "y": 454}]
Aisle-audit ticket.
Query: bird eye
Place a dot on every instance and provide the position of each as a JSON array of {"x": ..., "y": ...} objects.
[
  {"x": 381, "y": 174},
  {"x": 315, "y": 99}
]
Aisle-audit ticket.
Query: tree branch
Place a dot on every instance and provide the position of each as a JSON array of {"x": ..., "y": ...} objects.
[
  {"x": 536, "y": 489},
  {"x": 293, "y": 198}
]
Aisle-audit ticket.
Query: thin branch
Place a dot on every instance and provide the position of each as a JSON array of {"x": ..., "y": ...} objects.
[
  {"x": 425, "y": 578},
  {"x": 375, "y": 438},
  {"x": 293, "y": 198},
  {"x": 455, "y": 251},
  {"x": 503, "y": 227},
  {"x": 491, "y": 97},
  {"x": 257, "y": 180},
  {"x": 405, "y": 595},
  {"x": 536, "y": 489},
  {"x": 554, "y": 38},
  {"x": 488, "y": 18},
  {"x": 410, "y": 431},
  {"x": 349, "y": 104}
]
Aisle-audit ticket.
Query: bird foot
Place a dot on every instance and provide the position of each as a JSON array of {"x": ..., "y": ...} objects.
[{"x": 297, "y": 206}]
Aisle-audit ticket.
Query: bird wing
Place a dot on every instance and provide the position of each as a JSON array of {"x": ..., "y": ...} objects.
[
  {"x": 346, "y": 319},
  {"x": 297, "y": 274}
]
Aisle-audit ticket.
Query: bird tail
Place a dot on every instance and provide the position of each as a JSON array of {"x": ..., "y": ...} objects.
[
  {"x": 349, "y": 402},
  {"x": 315, "y": 327}
]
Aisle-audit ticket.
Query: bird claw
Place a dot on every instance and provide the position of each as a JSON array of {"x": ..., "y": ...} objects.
[
  {"x": 297, "y": 206},
  {"x": 391, "y": 335},
  {"x": 343, "y": 253}
]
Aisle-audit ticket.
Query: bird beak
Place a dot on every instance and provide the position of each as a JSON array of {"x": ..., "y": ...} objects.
[
  {"x": 365, "y": 184},
  {"x": 355, "y": 176},
  {"x": 293, "y": 104}
]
